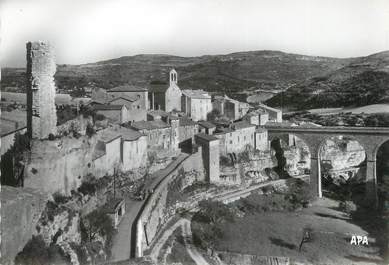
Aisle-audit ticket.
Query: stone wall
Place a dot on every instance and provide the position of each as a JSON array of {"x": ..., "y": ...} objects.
[
  {"x": 20, "y": 212},
  {"x": 41, "y": 111},
  {"x": 155, "y": 213}
]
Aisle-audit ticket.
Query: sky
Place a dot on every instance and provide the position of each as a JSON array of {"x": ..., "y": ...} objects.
[{"x": 85, "y": 31}]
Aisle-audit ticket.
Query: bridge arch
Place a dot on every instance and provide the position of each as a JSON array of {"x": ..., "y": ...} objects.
[
  {"x": 339, "y": 146},
  {"x": 292, "y": 154}
]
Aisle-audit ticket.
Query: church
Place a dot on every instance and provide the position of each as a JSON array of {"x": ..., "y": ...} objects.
[{"x": 166, "y": 97}]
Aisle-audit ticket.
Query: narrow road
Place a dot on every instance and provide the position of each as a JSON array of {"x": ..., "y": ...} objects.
[
  {"x": 188, "y": 239},
  {"x": 122, "y": 240}
]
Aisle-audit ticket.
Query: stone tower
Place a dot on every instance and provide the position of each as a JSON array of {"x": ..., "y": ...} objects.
[{"x": 41, "y": 112}]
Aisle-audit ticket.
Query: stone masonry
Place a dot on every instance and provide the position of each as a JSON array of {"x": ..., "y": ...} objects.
[{"x": 41, "y": 112}]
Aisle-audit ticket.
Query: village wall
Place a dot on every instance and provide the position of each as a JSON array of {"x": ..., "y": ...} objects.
[{"x": 61, "y": 164}]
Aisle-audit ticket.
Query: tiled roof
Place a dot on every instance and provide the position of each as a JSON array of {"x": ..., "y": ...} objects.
[
  {"x": 108, "y": 107},
  {"x": 127, "y": 88},
  {"x": 206, "y": 137},
  {"x": 149, "y": 125},
  {"x": 263, "y": 106},
  {"x": 206, "y": 124},
  {"x": 122, "y": 97},
  {"x": 128, "y": 134},
  {"x": 108, "y": 134},
  {"x": 201, "y": 94}
]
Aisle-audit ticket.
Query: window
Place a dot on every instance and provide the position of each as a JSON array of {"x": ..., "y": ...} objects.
[
  {"x": 138, "y": 96},
  {"x": 230, "y": 141},
  {"x": 245, "y": 138}
]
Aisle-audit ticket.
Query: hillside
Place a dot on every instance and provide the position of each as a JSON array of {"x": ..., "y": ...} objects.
[
  {"x": 236, "y": 74},
  {"x": 362, "y": 82}
]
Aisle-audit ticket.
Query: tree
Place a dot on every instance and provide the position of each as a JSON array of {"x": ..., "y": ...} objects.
[
  {"x": 215, "y": 211},
  {"x": 36, "y": 252},
  {"x": 97, "y": 223}
]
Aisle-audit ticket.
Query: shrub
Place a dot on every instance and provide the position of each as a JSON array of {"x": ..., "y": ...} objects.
[
  {"x": 90, "y": 130},
  {"x": 60, "y": 198},
  {"x": 88, "y": 187},
  {"x": 51, "y": 137},
  {"x": 347, "y": 207}
]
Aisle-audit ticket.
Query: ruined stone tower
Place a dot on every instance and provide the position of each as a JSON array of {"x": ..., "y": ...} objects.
[{"x": 41, "y": 112}]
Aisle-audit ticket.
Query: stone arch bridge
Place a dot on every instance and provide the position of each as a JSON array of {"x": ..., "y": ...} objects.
[{"x": 370, "y": 138}]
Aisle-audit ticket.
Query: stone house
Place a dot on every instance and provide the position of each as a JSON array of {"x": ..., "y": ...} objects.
[
  {"x": 134, "y": 98},
  {"x": 258, "y": 117},
  {"x": 210, "y": 152},
  {"x": 138, "y": 95},
  {"x": 231, "y": 108},
  {"x": 134, "y": 149},
  {"x": 115, "y": 208},
  {"x": 261, "y": 140},
  {"x": 206, "y": 127},
  {"x": 160, "y": 135},
  {"x": 275, "y": 115},
  {"x": 187, "y": 130},
  {"x": 106, "y": 155},
  {"x": 236, "y": 138},
  {"x": 196, "y": 104},
  {"x": 165, "y": 97},
  {"x": 114, "y": 113}
]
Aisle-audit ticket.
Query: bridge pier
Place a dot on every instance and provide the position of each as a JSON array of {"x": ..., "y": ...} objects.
[
  {"x": 371, "y": 194},
  {"x": 315, "y": 178}
]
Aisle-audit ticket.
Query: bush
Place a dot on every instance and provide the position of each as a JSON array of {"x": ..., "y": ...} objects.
[
  {"x": 90, "y": 130},
  {"x": 88, "y": 187},
  {"x": 347, "y": 207},
  {"x": 60, "y": 199}
]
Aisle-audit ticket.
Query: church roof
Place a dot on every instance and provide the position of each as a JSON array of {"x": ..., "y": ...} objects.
[
  {"x": 158, "y": 87},
  {"x": 127, "y": 88}
]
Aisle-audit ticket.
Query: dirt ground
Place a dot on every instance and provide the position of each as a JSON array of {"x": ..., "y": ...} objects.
[{"x": 280, "y": 233}]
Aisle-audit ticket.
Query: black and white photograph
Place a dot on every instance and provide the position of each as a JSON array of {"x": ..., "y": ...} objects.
[{"x": 194, "y": 132}]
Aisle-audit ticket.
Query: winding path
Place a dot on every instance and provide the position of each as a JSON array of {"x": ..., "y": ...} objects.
[{"x": 187, "y": 235}]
